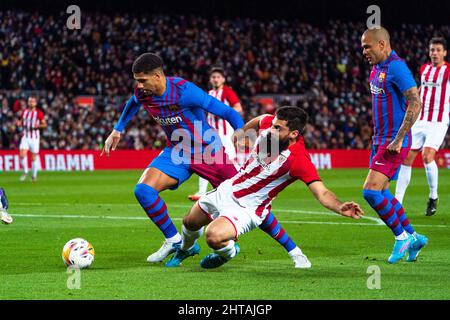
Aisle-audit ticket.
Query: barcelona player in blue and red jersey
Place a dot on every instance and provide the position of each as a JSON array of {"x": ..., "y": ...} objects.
[
  {"x": 192, "y": 147},
  {"x": 395, "y": 107}
]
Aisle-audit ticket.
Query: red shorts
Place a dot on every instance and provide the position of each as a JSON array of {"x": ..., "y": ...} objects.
[{"x": 387, "y": 163}]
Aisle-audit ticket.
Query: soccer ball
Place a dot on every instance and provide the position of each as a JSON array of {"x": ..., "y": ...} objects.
[{"x": 78, "y": 252}]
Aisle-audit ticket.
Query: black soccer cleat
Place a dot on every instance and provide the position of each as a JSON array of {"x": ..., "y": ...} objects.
[{"x": 432, "y": 206}]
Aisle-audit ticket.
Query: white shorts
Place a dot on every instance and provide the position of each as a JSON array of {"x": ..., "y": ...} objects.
[
  {"x": 31, "y": 144},
  {"x": 221, "y": 203},
  {"x": 428, "y": 135}
]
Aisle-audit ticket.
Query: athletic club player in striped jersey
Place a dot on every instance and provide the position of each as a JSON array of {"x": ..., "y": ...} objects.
[
  {"x": 395, "y": 107},
  {"x": 225, "y": 94},
  {"x": 31, "y": 121},
  {"x": 241, "y": 203},
  {"x": 429, "y": 131},
  {"x": 179, "y": 107}
]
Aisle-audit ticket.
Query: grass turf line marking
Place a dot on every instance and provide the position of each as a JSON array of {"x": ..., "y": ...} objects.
[
  {"x": 376, "y": 220},
  {"x": 179, "y": 219}
]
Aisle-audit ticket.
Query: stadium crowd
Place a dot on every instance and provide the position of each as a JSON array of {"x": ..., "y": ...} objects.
[{"x": 322, "y": 63}]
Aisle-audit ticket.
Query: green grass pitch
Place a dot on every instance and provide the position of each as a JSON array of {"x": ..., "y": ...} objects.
[{"x": 100, "y": 207}]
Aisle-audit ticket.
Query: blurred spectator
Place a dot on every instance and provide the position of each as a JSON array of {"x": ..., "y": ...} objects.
[{"x": 322, "y": 63}]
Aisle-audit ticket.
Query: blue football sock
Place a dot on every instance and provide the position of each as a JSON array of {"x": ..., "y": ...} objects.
[
  {"x": 272, "y": 227},
  {"x": 399, "y": 211},
  {"x": 155, "y": 208},
  {"x": 385, "y": 210}
]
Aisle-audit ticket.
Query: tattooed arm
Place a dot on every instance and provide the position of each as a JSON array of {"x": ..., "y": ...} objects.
[{"x": 412, "y": 113}]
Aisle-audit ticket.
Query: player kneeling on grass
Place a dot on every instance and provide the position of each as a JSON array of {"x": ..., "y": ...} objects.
[
  {"x": 241, "y": 203},
  {"x": 4, "y": 216}
]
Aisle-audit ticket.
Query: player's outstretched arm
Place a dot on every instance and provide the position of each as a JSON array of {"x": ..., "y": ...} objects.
[
  {"x": 129, "y": 111},
  {"x": 131, "y": 108},
  {"x": 412, "y": 113},
  {"x": 329, "y": 200}
]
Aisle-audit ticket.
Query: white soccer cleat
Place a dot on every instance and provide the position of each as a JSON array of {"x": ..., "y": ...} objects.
[
  {"x": 23, "y": 177},
  {"x": 166, "y": 249},
  {"x": 301, "y": 261},
  {"x": 5, "y": 217}
]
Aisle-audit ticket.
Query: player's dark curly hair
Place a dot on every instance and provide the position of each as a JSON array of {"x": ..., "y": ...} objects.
[
  {"x": 439, "y": 40},
  {"x": 296, "y": 117},
  {"x": 147, "y": 62}
]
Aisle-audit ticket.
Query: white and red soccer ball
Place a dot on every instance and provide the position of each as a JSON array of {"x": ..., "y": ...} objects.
[{"x": 78, "y": 252}]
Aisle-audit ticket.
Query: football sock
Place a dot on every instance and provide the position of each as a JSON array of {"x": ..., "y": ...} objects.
[
  {"x": 175, "y": 239},
  {"x": 272, "y": 227},
  {"x": 404, "y": 177},
  {"x": 402, "y": 236},
  {"x": 385, "y": 210},
  {"x": 189, "y": 237},
  {"x": 155, "y": 208},
  {"x": 399, "y": 211},
  {"x": 431, "y": 171},
  {"x": 34, "y": 168},
  {"x": 295, "y": 251},
  {"x": 202, "y": 185},
  {"x": 227, "y": 252},
  {"x": 24, "y": 163}
]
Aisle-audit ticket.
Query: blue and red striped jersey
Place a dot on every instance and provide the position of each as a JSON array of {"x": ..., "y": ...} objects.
[
  {"x": 182, "y": 106},
  {"x": 388, "y": 81}
]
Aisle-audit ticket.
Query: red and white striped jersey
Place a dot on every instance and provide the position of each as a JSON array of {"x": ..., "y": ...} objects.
[
  {"x": 30, "y": 122},
  {"x": 435, "y": 93},
  {"x": 228, "y": 97},
  {"x": 258, "y": 182}
]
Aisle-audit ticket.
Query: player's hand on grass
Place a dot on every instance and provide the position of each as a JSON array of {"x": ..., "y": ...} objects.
[
  {"x": 351, "y": 209},
  {"x": 111, "y": 142}
]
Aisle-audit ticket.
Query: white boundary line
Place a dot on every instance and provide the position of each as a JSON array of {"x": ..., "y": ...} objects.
[
  {"x": 175, "y": 219},
  {"x": 67, "y": 216},
  {"x": 374, "y": 219}
]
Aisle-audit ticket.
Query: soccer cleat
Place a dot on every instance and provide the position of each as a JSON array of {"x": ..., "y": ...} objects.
[
  {"x": 180, "y": 255},
  {"x": 166, "y": 249},
  {"x": 5, "y": 217},
  {"x": 33, "y": 179},
  {"x": 431, "y": 206},
  {"x": 195, "y": 197},
  {"x": 415, "y": 247},
  {"x": 400, "y": 249},
  {"x": 213, "y": 260},
  {"x": 301, "y": 261},
  {"x": 23, "y": 177}
]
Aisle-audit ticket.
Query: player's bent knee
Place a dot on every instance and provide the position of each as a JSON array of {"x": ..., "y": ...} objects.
[
  {"x": 373, "y": 197},
  {"x": 214, "y": 238},
  {"x": 214, "y": 241},
  {"x": 408, "y": 162},
  {"x": 190, "y": 223},
  {"x": 141, "y": 191},
  {"x": 428, "y": 157}
]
